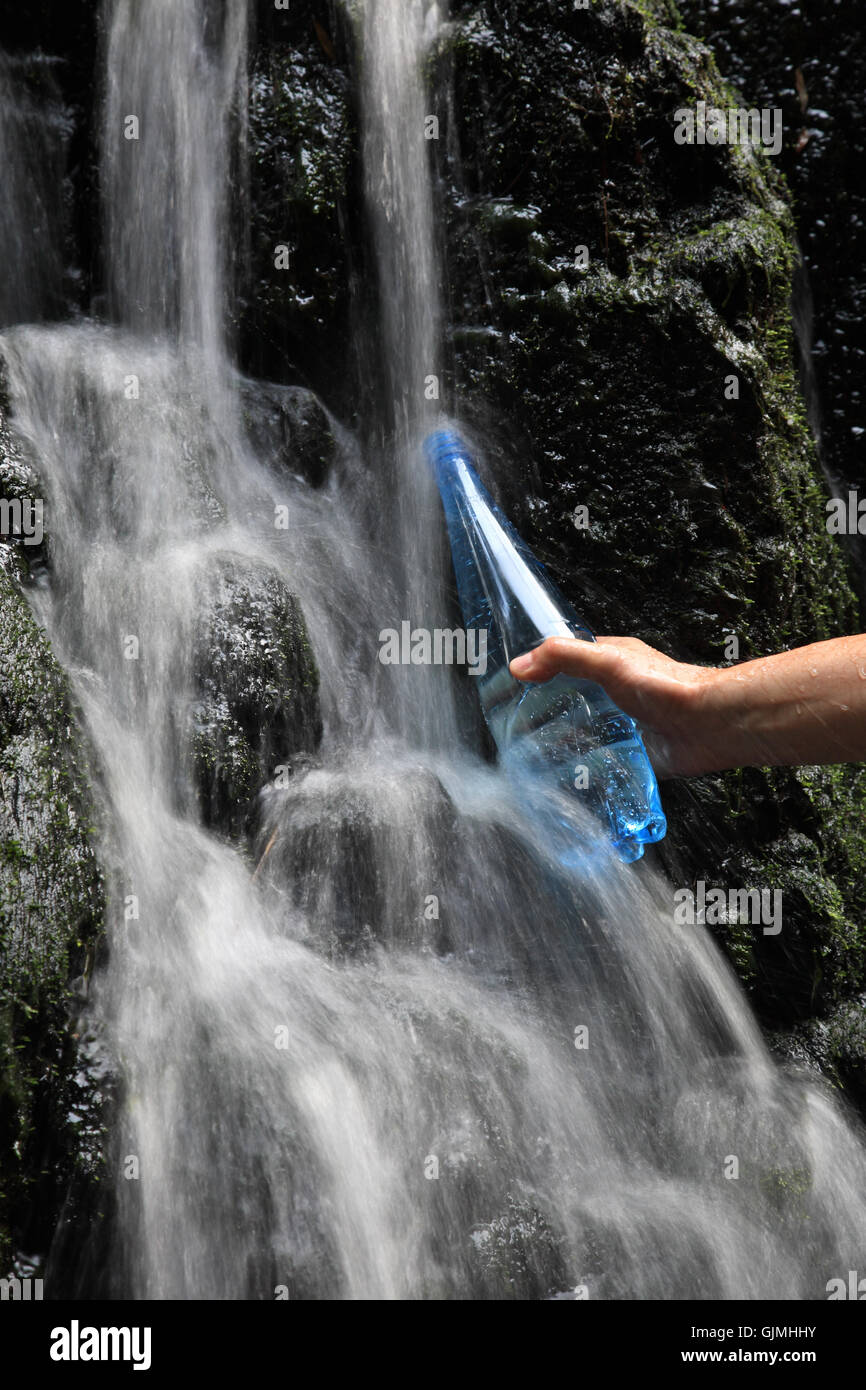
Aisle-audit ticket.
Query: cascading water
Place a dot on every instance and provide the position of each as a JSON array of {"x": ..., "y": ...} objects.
[
  {"x": 411, "y": 1057},
  {"x": 393, "y": 41},
  {"x": 175, "y": 87}
]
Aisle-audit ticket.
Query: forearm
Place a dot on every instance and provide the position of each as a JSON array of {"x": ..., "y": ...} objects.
[{"x": 801, "y": 706}]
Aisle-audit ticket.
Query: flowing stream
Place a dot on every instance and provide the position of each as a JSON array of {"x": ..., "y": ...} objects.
[{"x": 410, "y": 1057}]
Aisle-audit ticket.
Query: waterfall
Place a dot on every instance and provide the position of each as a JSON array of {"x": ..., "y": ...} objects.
[
  {"x": 394, "y": 39},
  {"x": 175, "y": 78},
  {"x": 394, "y": 42},
  {"x": 409, "y": 1056}
]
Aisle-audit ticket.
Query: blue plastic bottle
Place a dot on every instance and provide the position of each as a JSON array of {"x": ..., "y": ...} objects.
[{"x": 566, "y": 731}]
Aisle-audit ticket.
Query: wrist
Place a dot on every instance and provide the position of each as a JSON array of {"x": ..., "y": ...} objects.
[{"x": 712, "y": 737}]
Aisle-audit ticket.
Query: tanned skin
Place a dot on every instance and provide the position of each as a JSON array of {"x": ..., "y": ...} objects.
[{"x": 801, "y": 706}]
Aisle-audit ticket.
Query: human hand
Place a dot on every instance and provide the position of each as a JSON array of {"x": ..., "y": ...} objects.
[
  {"x": 655, "y": 690},
  {"x": 806, "y": 705}
]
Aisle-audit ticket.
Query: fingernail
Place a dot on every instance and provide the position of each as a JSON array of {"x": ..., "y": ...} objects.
[{"x": 520, "y": 664}]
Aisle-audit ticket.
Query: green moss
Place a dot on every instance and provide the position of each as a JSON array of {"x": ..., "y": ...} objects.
[
  {"x": 51, "y": 910},
  {"x": 786, "y": 1189},
  {"x": 657, "y": 12}
]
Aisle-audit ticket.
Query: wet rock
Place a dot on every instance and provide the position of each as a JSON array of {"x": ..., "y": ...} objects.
[
  {"x": 834, "y": 1046},
  {"x": 809, "y": 63},
  {"x": 333, "y": 831},
  {"x": 258, "y": 679},
  {"x": 519, "y": 1254},
  {"x": 289, "y": 426},
  {"x": 51, "y": 50}
]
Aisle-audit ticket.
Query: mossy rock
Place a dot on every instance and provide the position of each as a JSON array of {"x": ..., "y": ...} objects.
[
  {"x": 258, "y": 703},
  {"x": 834, "y": 1045},
  {"x": 51, "y": 912},
  {"x": 808, "y": 63},
  {"x": 518, "y": 1255}
]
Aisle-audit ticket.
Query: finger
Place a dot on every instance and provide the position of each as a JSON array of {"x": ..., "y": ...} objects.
[{"x": 563, "y": 654}]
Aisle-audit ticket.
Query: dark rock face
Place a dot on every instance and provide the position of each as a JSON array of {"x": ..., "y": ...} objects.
[
  {"x": 34, "y": 156},
  {"x": 808, "y": 60},
  {"x": 51, "y": 50},
  {"x": 706, "y": 515},
  {"x": 688, "y": 281},
  {"x": 294, "y": 323},
  {"x": 51, "y": 908},
  {"x": 834, "y": 1045}
]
